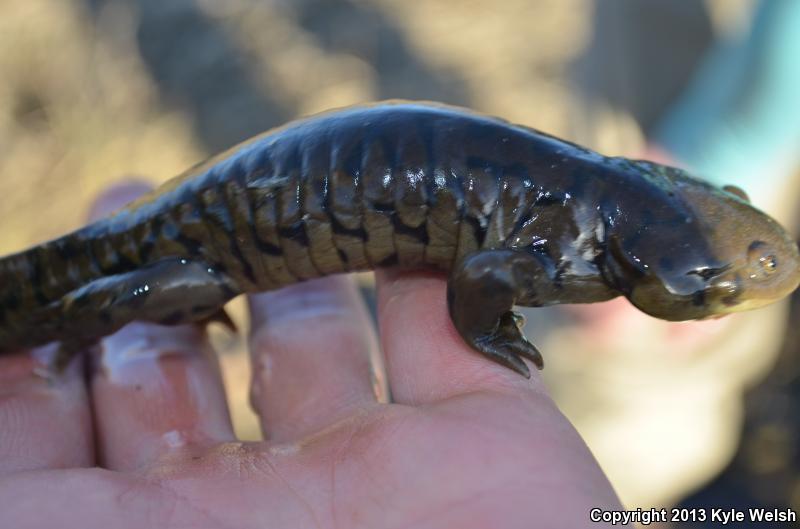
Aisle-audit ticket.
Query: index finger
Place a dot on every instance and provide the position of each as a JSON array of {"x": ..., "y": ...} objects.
[{"x": 426, "y": 358}]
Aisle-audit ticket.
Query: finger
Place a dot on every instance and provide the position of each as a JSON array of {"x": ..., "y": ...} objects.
[
  {"x": 116, "y": 197},
  {"x": 311, "y": 345},
  {"x": 426, "y": 359},
  {"x": 154, "y": 389},
  {"x": 157, "y": 389},
  {"x": 44, "y": 417}
]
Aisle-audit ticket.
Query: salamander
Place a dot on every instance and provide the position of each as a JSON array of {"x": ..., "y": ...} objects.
[{"x": 513, "y": 215}]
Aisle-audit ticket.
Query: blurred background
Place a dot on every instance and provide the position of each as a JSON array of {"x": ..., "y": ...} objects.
[{"x": 697, "y": 414}]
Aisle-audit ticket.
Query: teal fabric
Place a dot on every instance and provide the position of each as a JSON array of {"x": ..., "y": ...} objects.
[{"x": 739, "y": 120}]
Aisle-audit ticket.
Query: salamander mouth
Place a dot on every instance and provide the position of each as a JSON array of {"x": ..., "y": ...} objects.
[
  {"x": 709, "y": 273},
  {"x": 720, "y": 289}
]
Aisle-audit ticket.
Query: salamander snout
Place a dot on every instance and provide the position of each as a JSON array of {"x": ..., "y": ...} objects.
[
  {"x": 714, "y": 255},
  {"x": 752, "y": 259},
  {"x": 760, "y": 275},
  {"x": 764, "y": 272}
]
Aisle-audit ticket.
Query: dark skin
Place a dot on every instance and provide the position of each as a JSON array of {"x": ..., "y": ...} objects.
[{"x": 146, "y": 439}]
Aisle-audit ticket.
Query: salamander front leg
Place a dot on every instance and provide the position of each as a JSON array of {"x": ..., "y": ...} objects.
[{"x": 481, "y": 292}]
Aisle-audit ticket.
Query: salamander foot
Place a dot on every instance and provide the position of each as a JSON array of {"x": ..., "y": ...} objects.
[
  {"x": 481, "y": 292},
  {"x": 507, "y": 346}
]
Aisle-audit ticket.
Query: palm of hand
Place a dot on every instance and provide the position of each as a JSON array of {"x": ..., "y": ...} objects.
[{"x": 484, "y": 459}]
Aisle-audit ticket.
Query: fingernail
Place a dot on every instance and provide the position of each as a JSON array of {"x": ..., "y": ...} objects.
[
  {"x": 307, "y": 300},
  {"x": 138, "y": 347}
]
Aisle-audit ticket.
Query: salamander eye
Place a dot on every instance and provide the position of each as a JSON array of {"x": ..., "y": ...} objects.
[
  {"x": 762, "y": 259},
  {"x": 768, "y": 263},
  {"x": 738, "y": 191}
]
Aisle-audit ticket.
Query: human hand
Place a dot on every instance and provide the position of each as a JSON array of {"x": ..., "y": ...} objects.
[{"x": 145, "y": 439}]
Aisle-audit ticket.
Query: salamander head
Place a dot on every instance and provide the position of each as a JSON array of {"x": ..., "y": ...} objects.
[{"x": 706, "y": 252}]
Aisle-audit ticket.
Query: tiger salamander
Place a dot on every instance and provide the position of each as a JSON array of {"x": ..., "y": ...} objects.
[{"x": 515, "y": 216}]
